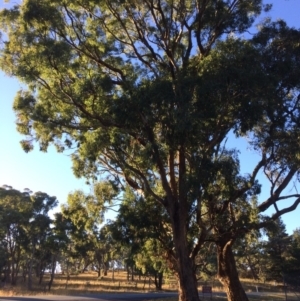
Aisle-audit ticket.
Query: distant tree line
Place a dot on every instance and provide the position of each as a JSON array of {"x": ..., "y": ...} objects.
[{"x": 76, "y": 239}]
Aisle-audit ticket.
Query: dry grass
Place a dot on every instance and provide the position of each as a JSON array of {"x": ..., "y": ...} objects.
[
  {"x": 88, "y": 283},
  {"x": 280, "y": 297}
]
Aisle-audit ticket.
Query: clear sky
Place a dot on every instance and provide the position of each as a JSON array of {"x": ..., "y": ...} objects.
[{"x": 52, "y": 172}]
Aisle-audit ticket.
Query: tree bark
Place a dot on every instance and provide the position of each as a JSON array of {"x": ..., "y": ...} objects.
[
  {"x": 38, "y": 268},
  {"x": 253, "y": 272},
  {"x": 187, "y": 282},
  {"x": 29, "y": 284},
  {"x": 227, "y": 272},
  {"x": 106, "y": 267},
  {"x": 30, "y": 267},
  {"x": 42, "y": 273},
  {"x": 13, "y": 274},
  {"x": 158, "y": 280},
  {"x": 53, "y": 266},
  {"x": 7, "y": 275},
  {"x": 132, "y": 272}
]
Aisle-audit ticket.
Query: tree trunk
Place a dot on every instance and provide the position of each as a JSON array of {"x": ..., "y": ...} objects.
[
  {"x": 253, "y": 272},
  {"x": 38, "y": 269},
  {"x": 13, "y": 274},
  {"x": 132, "y": 272},
  {"x": 29, "y": 284},
  {"x": 42, "y": 273},
  {"x": 7, "y": 278},
  {"x": 67, "y": 280},
  {"x": 227, "y": 272},
  {"x": 106, "y": 267},
  {"x": 158, "y": 280},
  {"x": 187, "y": 282},
  {"x": 30, "y": 266},
  {"x": 53, "y": 267},
  {"x": 24, "y": 273},
  {"x": 155, "y": 280}
]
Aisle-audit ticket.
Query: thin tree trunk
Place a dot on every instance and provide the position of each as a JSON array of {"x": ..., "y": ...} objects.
[
  {"x": 24, "y": 272},
  {"x": 13, "y": 278},
  {"x": 105, "y": 266},
  {"x": 52, "y": 271},
  {"x": 160, "y": 280},
  {"x": 158, "y": 276},
  {"x": 67, "y": 280},
  {"x": 132, "y": 272},
  {"x": 7, "y": 273},
  {"x": 254, "y": 274},
  {"x": 38, "y": 269},
  {"x": 227, "y": 273},
  {"x": 42, "y": 273},
  {"x": 29, "y": 284}
]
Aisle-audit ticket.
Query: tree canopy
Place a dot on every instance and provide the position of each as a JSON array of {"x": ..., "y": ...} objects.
[
  {"x": 24, "y": 232},
  {"x": 146, "y": 93}
]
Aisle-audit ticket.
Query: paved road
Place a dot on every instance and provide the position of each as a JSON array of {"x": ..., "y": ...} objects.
[{"x": 94, "y": 297}]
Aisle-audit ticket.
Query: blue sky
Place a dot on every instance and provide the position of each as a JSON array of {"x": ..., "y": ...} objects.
[{"x": 52, "y": 172}]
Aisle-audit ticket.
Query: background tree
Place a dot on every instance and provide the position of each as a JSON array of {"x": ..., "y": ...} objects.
[
  {"x": 250, "y": 256},
  {"x": 16, "y": 212},
  {"x": 276, "y": 249},
  {"x": 86, "y": 214},
  {"x": 38, "y": 231},
  {"x": 292, "y": 272},
  {"x": 3, "y": 250},
  {"x": 62, "y": 228},
  {"x": 140, "y": 228},
  {"x": 206, "y": 262},
  {"x": 25, "y": 225},
  {"x": 150, "y": 261}
]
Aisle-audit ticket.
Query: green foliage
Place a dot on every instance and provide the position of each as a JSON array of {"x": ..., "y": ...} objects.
[
  {"x": 87, "y": 210},
  {"x": 206, "y": 262},
  {"x": 150, "y": 259},
  {"x": 143, "y": 235},
  {"x": 292, "y": 269},
  {"x": 84, "y": 216},
  {"x": 25, "y": 228},
  {"x": 275, "y": 251},
  {"x": 146, "y": 94}
]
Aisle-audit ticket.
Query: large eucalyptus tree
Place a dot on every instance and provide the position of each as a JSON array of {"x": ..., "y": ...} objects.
[{"x": 148, "y": 91}]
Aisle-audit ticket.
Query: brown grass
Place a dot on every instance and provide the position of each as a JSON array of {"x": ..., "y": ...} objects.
[
  {"x": 88, "y": 283},
  {"x": 280, "y": 297}
]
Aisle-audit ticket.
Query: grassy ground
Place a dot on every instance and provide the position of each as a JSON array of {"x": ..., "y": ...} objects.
[
  {"x": 89, "y": 283},
  {"x": 278, "y": 297}
]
